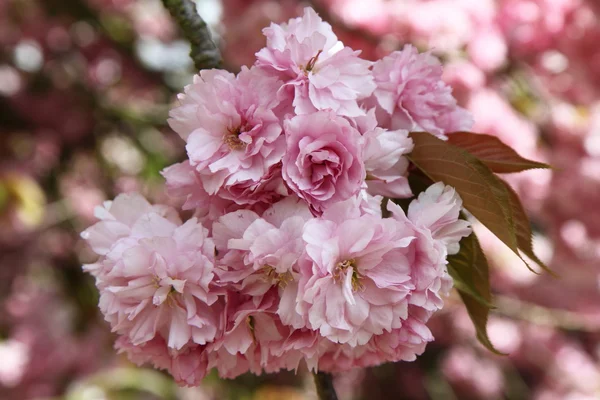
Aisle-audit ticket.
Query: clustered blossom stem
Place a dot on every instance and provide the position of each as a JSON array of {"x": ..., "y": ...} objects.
[
  {"x": 204, "y": 52},
  {"x": 325, "y": 389}
]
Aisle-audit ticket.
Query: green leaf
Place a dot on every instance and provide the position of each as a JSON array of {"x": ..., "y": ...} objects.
[
  {"x": 523, "y": 229},
  {"x": 484, "y": 195},
  {"x": 492, "y": 152},
  {"x": 470, "y": 271}
]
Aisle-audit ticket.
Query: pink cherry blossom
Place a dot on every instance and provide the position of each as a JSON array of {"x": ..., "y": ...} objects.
[
  {"x": 323, "y": 163},
  {"x": 385, "y": 164},
  {"x": 355, "y": 280},
  {"x": 318, "y": 71},
  {"x": 438, "y": 209},
  {"x": 411, "y": 94},
  {"x": 118, "y": 217},
  {"x": 155, "y": 283},
  {"x": 232, "y": 132},
  {"x": 188, "y": 366},
  {"x": 259, "y": 253},
  {"x": 184, "y": 182},
  {"x": 403, "y": 344},
  {"x": 427, "y": 258}
]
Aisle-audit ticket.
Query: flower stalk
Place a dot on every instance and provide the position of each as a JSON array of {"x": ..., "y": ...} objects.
[{"x": 324, "y": 383}]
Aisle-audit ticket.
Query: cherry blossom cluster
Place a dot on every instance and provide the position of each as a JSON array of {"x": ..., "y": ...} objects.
[{"x": 295, "y": 253}]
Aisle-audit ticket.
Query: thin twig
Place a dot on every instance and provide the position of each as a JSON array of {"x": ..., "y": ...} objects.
[
  {"x": 204, "y": 52},
  {"x": 324, "y": 383}
]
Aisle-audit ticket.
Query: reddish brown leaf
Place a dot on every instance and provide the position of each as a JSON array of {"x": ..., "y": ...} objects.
[
  {"x": 470, "y": 271},
  {"x": 484, "y": 195},
  {"x": 498, "y": 157},
  {"x": 523, "y": 228}
]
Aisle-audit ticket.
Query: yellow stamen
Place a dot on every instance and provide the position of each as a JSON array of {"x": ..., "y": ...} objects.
[
  {"x": 341, "y": 269},
  {"x": 233, "y": 139},
  {"x": 281, "y": 279}
]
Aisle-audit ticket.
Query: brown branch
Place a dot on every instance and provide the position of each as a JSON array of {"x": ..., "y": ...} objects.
[
  {"x": 324, "y": 383},
  {"x": 204, "y": 52}
]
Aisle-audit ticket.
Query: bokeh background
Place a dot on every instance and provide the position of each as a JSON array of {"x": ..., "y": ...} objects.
[{"x": 85, "y": 89}]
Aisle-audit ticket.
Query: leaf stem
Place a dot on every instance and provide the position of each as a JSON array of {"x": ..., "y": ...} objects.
[
  {"x": 204, "y": 52},
  {"x": 324, "y": 383}
]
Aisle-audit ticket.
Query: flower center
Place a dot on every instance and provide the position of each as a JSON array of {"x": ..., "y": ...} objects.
[
  {"x": 280, "y": 279},
  {"x": 311, "y": 63},
  {"x": 250, "y": 324},
  {"x": 341, "y": 269},
  {"x": 232, "y": 139}
]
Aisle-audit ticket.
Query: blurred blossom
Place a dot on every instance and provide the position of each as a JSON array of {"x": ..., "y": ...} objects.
[
  {"x": 471, "y": 375},
  {"x": 14, "y": 356},
  {"x": 505, "y": 334},
  {"x": 10, "y": 81},
  {"x": 28, "y": 56},
  {"x": 164, "y": 56},
  {"x": 121, "y": 152}
]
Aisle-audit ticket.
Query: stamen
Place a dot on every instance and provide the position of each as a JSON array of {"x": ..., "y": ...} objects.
[
  {"x": 341, "y": 269},
  {"x": 250, "y": 324},
  {"x": 312, "y": 62},
  {"x": 233, "y": 139},
  {"x": 281, "y": 279}
]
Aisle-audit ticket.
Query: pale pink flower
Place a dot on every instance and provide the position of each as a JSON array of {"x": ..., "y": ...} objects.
[
  {"x": 427, "y": 258},
  {"x": 385, "y": 164},
  {"x": 257, "y": 254},
  {"x": 156, "y": 281},
  {"x": 369, "y": 204},
  {"x": 324, "y": 159},
  {"x": 188, "y": 366},
  {"x": 318, "y": 71},
  {"x": 355, "y": 279},
  {"x": 118, "y": 217},
  {"x": 15, "y": 357},
  {"x": 403, "y": 344},
  {"x": 438, "y": 209},
  {"x": 411, "y": 94},
  {"x": 232, "y": 132},
  {"x": 254, "y": 339},
  {"x": 267, "y": 190},
  {"x": 183, "y": 181}
]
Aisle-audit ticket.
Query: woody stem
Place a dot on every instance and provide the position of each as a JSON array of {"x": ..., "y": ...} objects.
[
  {"x": 204, "y": 52},
  {"x": 324, "y": 383}
]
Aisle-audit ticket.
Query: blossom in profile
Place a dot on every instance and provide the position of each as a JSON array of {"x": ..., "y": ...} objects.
[
  {"x": 188, "y": 366},
  {"x": 118, "y": 217},
  {"x": 384, "y": 157},
  {"x": 402, "y": 344},
  {"x": 438, "y": 209},
  {"x": 411, "y": 94},
  {"x": 437, "y": 229},
  {"x": 319, "y": 73},
  {"x": 323, "y": 163}
]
